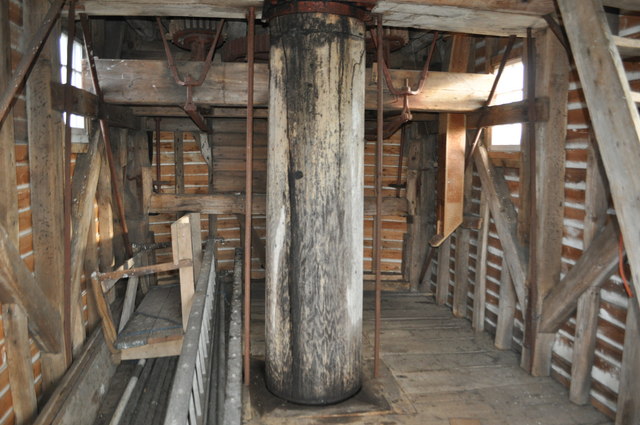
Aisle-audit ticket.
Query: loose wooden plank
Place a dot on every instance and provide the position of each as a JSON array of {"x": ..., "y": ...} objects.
[
  {"x": 182, "y": 246},
  {"x": 595, "y": 266},
  {"x": 23, "y": 393},
  {"x": 148, "y": 82},
  {"x": 83, "y": 189},
  {"x": 504, "y": 216},
  {"x": 506, "y": 311},
  {"x": 18, "y": 286},
  {"x": 614, "y": 116},
  {"x": 584, "y": 341},
  {"x": 46, "y": 159}
]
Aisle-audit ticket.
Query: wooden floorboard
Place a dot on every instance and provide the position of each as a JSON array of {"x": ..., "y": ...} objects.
[{"x": 444, "y": 373}]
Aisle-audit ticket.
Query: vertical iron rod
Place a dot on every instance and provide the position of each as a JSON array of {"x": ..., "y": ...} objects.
[
  {"x": 71, "y": 34},
  {"x": 104, "y": 128},
  {"x": 378, "y": 218},
  {"x": 248, "y": 195}
]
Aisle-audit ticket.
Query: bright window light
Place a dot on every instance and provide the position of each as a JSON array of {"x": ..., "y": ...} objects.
[
  {"x": 509, "y": 90},
  {"x": 77, "y": 121}
]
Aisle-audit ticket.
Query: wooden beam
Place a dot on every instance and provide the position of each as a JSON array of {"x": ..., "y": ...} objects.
[
  {"x": 506, "y": 310},
  {"x": 14, "y": 319},
  {"x": 81, "y": 391},
  {"x": 232, "y": 203},
  {"x": 509, "y": 113},
  {"x": 420, "y": 198},
  {"x": 489, "y": 18},
  {"x": 442, "y": 283},
  {"x": 505, "y": 218},
  {"x": 450, "y": 176},
  {"x": 148, "y": 82},
  {"x": 84, "y": 185},
  {"x": 595, "y": 266},
  {"x": 178, "y": 156},
  {"x": 480, "y": 288},
  {"x": 23, "y": 393},
  {"x": 623, "y": 4},
  {"x": 46, "y": 159},
  {"x": 85, "y": 103},
  {"x": 614, "y": 115},
  {"x": 177, "y": 112},
  {"x": 628, "y": 411},
  {"x": 585, "y": 337},
  {"x": 197, "y": 9},
  {"x": 552, "y": 81},
  {"x": 105, "y": 219},
  {"x": 17, "y": 286}
]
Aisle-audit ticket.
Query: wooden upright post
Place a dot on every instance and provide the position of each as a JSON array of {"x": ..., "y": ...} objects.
[
  {"x": 552, "y": 80},
  {"x": 14, "y": 319},
  {"x": 315, "y": 208},
  {"x": 46, "y": 158}
]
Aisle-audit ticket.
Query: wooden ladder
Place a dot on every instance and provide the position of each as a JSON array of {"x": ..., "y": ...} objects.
[{"x": 613, "y": 109}]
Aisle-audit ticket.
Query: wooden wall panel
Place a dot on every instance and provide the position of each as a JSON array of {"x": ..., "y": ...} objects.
[
  {"x": 228, "y": 176},
  {"x": 613, "y": 304}
]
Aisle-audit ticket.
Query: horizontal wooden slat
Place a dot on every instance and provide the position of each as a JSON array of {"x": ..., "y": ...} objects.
[
  {"x": 628, "y": 47},
  {"x": 234, "y": 204}
]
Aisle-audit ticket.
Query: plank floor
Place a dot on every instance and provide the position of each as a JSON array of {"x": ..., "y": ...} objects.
[{"x": 436, "y": 371}]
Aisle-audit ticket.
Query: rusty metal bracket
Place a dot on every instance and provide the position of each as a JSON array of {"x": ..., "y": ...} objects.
[{"x": 190, "y": 107}]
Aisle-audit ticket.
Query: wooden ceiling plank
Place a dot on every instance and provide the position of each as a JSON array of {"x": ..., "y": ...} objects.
[{"x": 402, "y": 13}]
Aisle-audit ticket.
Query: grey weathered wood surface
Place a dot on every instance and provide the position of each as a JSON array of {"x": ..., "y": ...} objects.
[
  {"x": 614, "y": 116},
  {"x": 157, "y": 318},
  {"x": 315, "y": 208},
  {"x": 148, "y": 82}
]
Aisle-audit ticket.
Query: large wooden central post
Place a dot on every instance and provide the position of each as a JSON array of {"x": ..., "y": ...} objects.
[{"x": 315, "y": 207}]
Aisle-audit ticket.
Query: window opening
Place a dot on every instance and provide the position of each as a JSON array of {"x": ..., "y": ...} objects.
[{"x": 510, "y": 89}]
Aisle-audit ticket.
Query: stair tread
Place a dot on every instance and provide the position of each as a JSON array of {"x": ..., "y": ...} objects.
[
  {"x": 635, "y": 96},
  {"x": 628, "y": 47}
]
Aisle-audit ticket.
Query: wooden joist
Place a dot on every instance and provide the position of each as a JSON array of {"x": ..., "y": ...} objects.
[
  {"x": 505, "y": 218},
  {"x": 595, "y": 266},
  {"x": 614, "y": 116},
  {"x": 233, "y": 203},
  {"x": 475, "y": 17},
  {"x": 149, "y": 82},
  {"x": 194, "y": 8},
  {"x": 508, "y": 113},
  {"x": 17, "y": 286},
  {"x": 85, "y": 104}
]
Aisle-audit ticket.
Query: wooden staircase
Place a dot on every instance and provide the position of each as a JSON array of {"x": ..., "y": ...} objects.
[{"x": 613, "y": 109}]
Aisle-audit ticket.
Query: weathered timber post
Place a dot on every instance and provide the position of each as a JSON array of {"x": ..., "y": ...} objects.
[{"x": 315, "y": 203}]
